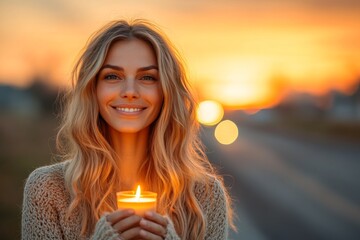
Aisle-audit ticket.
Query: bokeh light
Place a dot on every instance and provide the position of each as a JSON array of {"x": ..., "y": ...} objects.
[
  {"x": 226, "y": 132},
  {"x": 209, "y": 112}
]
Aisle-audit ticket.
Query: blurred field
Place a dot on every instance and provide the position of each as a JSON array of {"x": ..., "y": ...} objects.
[{"x": 24, "y": 145}]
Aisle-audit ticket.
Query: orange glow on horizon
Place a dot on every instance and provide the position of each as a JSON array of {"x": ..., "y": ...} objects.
[{"x": 235, "y": 52}]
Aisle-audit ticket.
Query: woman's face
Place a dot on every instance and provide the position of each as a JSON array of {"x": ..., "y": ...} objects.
[{"x": 128, "y": 87}]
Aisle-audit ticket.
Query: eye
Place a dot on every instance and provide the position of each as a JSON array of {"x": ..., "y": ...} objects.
[
  {"x": 148, "y": 78},
  {"x": 111, "y": 77}
]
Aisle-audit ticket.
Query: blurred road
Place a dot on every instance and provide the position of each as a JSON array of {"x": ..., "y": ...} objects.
[{"x": 290, "y": 187}]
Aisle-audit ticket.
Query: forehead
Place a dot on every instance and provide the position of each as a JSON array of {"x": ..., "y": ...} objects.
[{"x": 132, "y": 52}]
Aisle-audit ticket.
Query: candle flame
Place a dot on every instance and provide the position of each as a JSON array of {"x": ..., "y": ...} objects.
[{"x": 137, "y": 194}]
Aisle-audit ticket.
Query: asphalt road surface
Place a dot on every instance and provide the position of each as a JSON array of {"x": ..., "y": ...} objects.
[{"x": 290, "y": 187}]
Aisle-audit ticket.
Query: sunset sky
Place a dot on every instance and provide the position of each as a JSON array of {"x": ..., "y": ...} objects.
[{"x": 241, "y": 53}]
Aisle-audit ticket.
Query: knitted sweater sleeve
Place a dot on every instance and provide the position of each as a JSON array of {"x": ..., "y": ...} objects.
[
  {"x": 104, "y": 231},
  {"x": 40, "y": 219},
  {"x": 170, "y": 230},
  {"x": 217, "y": 215},
  {"x": 44, "y": 206}
]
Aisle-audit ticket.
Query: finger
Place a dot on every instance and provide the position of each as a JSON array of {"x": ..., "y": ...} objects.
[
  {"x": 153, "y": 227},
  {"x": 155, "y": 217},
  {"x": 131, "y": 233},
  {"x": 149, "y": 236},
  {"x": 118, "y": 215},
  {"x": 126, "y": 223}
]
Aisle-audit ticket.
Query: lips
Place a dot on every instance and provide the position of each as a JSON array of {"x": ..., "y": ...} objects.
[{"x": 129, "y": 108}]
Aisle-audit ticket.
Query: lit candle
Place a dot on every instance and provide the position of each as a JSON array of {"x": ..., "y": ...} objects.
[{"x": 139, "y": 201}]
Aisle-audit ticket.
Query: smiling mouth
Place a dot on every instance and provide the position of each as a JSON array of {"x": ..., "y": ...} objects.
[{"x": 129, "y": 110}]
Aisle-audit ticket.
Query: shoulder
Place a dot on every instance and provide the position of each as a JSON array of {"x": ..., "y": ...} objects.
[
  {"x": 214, "y": 186},
  {"x": 45, "y": 182},
  {"x": 211, "y": 194},
  {"x": 46, "y": 175}
]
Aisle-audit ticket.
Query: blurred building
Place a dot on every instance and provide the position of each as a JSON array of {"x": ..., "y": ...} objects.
[
  {"x": 34, "y": 100},
  {"x": 18, "y": 101},
  {"x": 345, "y": 107},
  {"x": 334, "y": 106}
]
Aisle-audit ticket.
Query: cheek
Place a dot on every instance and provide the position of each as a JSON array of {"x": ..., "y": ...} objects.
[
  {"x": 155, "y": 97},
  {"x": 103, "y": 98},
  {"x": 103, "y": 94},
  {"x": 159, "y": 99},
  {"x": 159, "y": 106}
]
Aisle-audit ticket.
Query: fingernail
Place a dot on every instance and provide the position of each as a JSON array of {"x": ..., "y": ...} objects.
[
  {"x": 131, "y": 211},
  {"x": 149, "y": 214}
]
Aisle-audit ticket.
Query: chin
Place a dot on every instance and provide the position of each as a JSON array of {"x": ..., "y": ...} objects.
[{"x": 131, "y": 129}]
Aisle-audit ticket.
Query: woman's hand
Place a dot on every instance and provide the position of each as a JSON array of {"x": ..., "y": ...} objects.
[
  {"x": 125, "y": 222},
  {"x": 130, "y": 226},
  {"x": 153, "y": 226}
]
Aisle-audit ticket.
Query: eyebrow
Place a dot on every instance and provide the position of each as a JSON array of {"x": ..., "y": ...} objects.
[{"x": 122, "y": 69}]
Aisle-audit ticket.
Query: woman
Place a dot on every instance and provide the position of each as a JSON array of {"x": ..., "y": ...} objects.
[{"x": 129, "y": 119}]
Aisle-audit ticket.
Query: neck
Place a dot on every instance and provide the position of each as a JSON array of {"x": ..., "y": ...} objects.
[{"x": 131, "y": 150}]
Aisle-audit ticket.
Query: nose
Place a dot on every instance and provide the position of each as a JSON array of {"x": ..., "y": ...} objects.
[{"x": 129, "y": 89}]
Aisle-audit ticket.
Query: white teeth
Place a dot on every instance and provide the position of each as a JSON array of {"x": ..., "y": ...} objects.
[{"x": 130, "y": 110}]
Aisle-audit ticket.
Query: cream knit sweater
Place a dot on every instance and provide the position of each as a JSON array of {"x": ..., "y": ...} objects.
[{"x": 46, "y": 200}]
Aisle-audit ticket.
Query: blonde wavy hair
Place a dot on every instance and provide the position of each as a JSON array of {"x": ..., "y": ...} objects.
[{"x": 176, "y": 160}]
